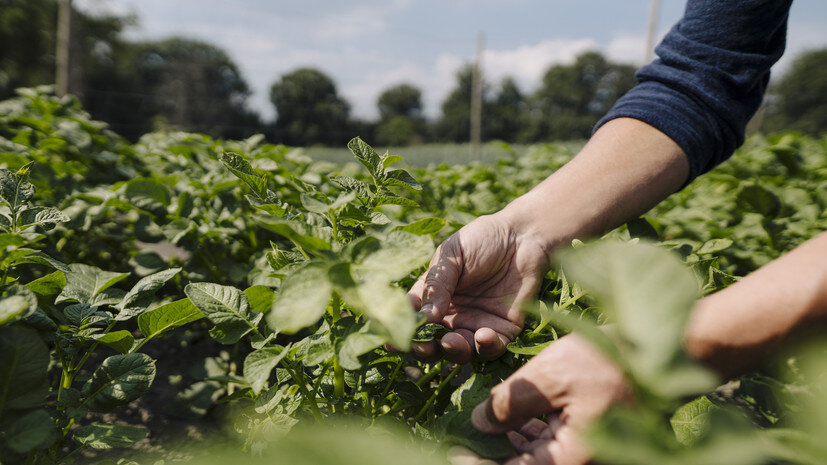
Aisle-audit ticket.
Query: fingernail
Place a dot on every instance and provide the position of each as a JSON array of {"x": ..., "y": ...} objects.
[{"x": 428, "y": 310}]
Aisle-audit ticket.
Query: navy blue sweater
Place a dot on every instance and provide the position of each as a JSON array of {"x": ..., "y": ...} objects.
[{"x": 710, "y": 77}]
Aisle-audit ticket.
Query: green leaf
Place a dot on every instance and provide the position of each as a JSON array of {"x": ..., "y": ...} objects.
[
  {"x": 357, "y": 344},
  {"x": 429, "y": 332},
  {"x": 388, "y": 160},
  {"x": 167, "y": 317},
  {"x": 648, "y": 293},
  {"x": 400, "y": 253},
  {"x": 23, "y": 368},
  {"x": 76, "y": 313},
  {"x": 136, "y": 300},
  {"x": 122, "y": 340},
  {"x": 84, "y": 282},
  {"x": 259, "y": 364},
  {"x": 302, "y": 299},
  {"x": 691, "y": 421},
  {"x": 260, "y": 298},
  {"x": 11, "y": 240},
  {"x": 15, "y": 189},
  {"x": 45, "y": 217},
  {"x": 755, "y": 198},
  {"x": 19, "y": 302},
  {"x": 148, "y": 194},
  {"x": 34, "y": 430},
  {"x": 519, "y": 349},
  {"x": 365, "y": 154},
  {"x": 242, "y": 169},
  {"x": 302, "y": 234},
  {"x": 472, "y": 392},
  {"x": 391, "y": 308},
  {"x": 395, "y": 200},
  {"x": 226, "y": 307},
  {"x": 425, "y": 226},
  {"x": 100, "y": 436},
  {"x": 51, "y": 284},
  {"x": 456, "y": 428},
  {"x": 43, "y": 259},
  {"x": 640, "y": 227},
  {"x": 714, "y": 246},
  {"x": 402, "y": 178},
  {"x": 409, "y": 393},
  {"x": 120, "y": 379}
]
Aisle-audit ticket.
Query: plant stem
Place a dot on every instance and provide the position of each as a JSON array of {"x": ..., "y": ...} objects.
[
  {"x": 431, "y": 374},
  {"x": 92, "y": 348},
  {"x": 391, "y": 378},
  {"x": 71, "y": 453},
  {"x": 300, "y": 383},
  {"x": 338, "y": 382},
  {"x": 439, "y": 388}
]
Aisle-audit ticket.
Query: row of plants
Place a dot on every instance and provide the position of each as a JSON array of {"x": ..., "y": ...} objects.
[{"x": 297, "y": 272}]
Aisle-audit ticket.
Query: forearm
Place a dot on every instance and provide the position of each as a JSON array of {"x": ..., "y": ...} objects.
[
  {"x": 738, "y": 328},
  {"x": 624, "y": 170}
]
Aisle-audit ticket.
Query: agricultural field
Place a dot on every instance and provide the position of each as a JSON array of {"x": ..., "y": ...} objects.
[{"x": 185, "y": 299}]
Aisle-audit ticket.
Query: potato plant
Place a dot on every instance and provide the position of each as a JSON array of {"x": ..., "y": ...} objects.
[{"x": 295, "y": 272}]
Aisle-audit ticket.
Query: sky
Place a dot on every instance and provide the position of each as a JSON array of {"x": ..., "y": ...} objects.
[{"x": 366, "y": 46}]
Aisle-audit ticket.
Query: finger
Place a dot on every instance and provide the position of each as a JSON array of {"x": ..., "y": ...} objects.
[
  {"x": 564, "y": 449},
  {"x": 514, "y": 401},
  {"x": 489, "y": 344},
  {"x": 415, "y": 294},
  {"x": 458, "y": 346},
  {"x": 473, "y": 319},
  {"x": 554, "y": 425},
  {"x": 525, "y": 459},
  {"x": 429, "y": 351},
  {"x": 520, "y": 443},
  {"x": 441, "y": 280},
  {"x": 533, "y": 429}
]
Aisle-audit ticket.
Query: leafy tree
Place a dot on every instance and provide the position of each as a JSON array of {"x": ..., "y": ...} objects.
[
  {"x": 798, "y": 101},
  {"x": 180, "y": 83},
  {"x": 573, "y": 97},
  {"x": 506, "y": 113},
  {"x": 400, "y": 110},
  {"x": 400, "y": 100},
  {"x": 27, "y": 35},
  {"x": 455, "y": 123},
  {"x": 309, "y": 109}
]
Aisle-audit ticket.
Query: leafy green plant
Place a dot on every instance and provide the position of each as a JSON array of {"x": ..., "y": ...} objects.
[{"x": 50, "y": 329}]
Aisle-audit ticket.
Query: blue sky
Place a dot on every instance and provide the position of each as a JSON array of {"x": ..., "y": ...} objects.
[{"x": 369, "y": 45}]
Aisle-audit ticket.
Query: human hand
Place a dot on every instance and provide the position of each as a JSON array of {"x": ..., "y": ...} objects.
[
  {"x": 476, "y": 284},
  {"x": 570, "y": 381}
]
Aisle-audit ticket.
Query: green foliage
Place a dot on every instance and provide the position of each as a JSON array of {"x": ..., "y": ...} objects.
[
  {"x": 798, "y": 100},
  {"x": 309, "y": 109},
  {"x": 293, "y": 273}
]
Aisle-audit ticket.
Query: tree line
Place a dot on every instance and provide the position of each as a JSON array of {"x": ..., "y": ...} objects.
[{"x": 191, "y": 85}]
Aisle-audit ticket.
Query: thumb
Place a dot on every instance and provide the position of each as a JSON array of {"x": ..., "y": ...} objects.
[
  {"x": 441, "y": 280},
  {"x": 511, "y": 403}
]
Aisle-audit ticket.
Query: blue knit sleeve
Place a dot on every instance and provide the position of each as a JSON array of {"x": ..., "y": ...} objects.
[{"x": 710, "y": 77}]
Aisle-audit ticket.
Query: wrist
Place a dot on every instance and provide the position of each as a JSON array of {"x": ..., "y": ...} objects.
[{"x": 529, "y": 219}]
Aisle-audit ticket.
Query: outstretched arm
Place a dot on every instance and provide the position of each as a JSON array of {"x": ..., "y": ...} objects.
[{"x": 481, "y": 276}]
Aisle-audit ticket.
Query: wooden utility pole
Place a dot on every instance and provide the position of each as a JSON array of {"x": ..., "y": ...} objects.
[
  {"x": 654, "y": 7},
  {"x": 64, "y": 46},
  {"x": 476, "y": 100}
]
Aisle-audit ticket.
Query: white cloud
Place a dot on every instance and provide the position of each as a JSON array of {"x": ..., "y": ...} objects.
[
  {"x": 626, "y": 48},
  {"x": 527, "y": 63},
  {"x": 355, "y": 22},
  {"x": 435, "y": 80}
]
